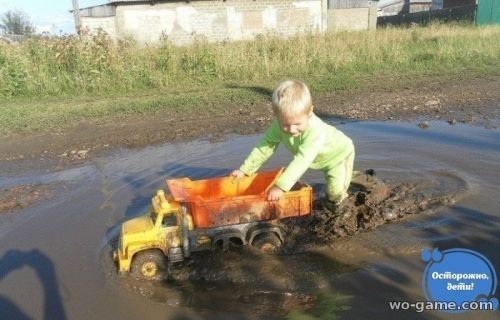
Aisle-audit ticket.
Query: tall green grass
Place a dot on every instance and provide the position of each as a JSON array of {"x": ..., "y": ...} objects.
[
  {"x": 69, "y": 66},
  {"x": 48, "y": 84}
]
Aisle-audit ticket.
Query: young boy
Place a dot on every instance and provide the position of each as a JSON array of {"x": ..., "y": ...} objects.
[{"x": 313, "y": 144}]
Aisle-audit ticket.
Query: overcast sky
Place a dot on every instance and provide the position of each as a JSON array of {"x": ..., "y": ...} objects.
[{"x": 48, "y": 15}]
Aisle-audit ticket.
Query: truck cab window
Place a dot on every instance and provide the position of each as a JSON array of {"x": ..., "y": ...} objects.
[{"x": 169, "y": 221}]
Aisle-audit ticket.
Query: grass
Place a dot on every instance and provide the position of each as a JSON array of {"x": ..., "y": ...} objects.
[
  {"x": 49, "y": 83},
  {"x": 28, "y": 115}
]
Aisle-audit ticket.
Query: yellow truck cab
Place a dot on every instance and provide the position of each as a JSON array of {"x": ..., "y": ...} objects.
[{"x": 151, "y": 237}]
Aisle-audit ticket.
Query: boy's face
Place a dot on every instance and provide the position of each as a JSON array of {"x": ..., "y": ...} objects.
[{"x": 295, "y": 125}]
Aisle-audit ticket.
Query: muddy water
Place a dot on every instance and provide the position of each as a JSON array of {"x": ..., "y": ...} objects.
[{"x": 55, "y": 262}]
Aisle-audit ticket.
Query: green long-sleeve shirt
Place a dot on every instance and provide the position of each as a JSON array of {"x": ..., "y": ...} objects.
[{"x": 321, "y": 146}]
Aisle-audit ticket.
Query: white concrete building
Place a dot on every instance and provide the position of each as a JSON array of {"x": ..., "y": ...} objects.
[{"x": 225, "y": 20}]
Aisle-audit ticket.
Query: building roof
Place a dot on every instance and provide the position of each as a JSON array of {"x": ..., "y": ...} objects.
[
  {"x": 387, "y": 3},
  {"x": 102, "y": 10}
]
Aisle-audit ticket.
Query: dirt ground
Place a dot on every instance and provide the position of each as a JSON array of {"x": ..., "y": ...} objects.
[
  {"x": 475, "y": 101},
  {"x": 22, "y": 196}
]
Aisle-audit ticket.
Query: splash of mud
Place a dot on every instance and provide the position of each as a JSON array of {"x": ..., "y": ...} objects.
[{"x": 380, "y": 203}]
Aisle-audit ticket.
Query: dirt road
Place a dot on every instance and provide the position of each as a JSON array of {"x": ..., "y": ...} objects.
[{"x": 461, "y": 101}]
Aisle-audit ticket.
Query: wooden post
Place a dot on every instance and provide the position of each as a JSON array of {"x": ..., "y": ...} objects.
[{"x": 76, "y": 12}]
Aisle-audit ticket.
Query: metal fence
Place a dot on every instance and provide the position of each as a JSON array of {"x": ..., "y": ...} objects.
[
  {"x": 465, "y": 13},
  {"x": 13, "y": 37}
]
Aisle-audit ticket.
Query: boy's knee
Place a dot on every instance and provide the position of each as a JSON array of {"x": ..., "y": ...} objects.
[
  {"x": 336, "y": 191},
  {"x": 336, "y": 198}
]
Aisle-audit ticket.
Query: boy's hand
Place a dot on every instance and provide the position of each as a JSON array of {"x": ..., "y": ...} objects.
[
  {"x": 274, "y": 194},
  {"x": 237, "y": 174}
]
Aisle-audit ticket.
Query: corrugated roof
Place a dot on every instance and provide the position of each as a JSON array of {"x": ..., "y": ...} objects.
[
  {"x": 387, "y": 3},
  {"x": 104, "y": 10}
]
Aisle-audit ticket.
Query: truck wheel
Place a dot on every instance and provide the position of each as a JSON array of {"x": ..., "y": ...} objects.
[
  {"x": 267, "y": 242},
  {"x": 149, "y": 265}
]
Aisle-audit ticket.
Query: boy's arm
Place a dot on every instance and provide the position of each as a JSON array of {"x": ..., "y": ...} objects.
[
  {"x": 301, "y": 161},
  {"x": 263, "y": 150}
]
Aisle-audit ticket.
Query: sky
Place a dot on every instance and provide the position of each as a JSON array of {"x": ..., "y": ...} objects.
[{"x": 51, "y": 16}]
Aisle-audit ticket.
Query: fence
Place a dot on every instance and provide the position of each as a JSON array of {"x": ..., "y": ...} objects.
[
  {"x": 13, "y": 37},
  {"x": 464, "y": 13}
]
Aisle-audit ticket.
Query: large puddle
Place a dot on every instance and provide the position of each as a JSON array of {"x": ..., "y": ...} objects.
[{"x": 55, "y": 256}]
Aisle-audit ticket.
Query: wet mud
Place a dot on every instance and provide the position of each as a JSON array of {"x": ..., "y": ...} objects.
[
  {"x": 367, "y": 209},
  {"x": 22, "y": 196},
  {"x": 294, "y": 277},
  {"x": 242, "y": 280},
  {"x": 439, "y": 190}
]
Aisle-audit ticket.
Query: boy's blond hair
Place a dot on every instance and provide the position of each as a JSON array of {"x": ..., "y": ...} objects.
[{"x": 291, "y": 98}]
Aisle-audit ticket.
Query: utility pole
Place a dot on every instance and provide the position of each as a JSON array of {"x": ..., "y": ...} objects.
[{"x": 76, "y": 12}]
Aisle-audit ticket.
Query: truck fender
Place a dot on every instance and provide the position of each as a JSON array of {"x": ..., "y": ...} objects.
[
  {"x": 254, "y": 232},
  {"x": 134, "y": 254}
]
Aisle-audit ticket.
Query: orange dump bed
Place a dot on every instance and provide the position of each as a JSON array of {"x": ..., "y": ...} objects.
[{"x": 223, "y": 201}]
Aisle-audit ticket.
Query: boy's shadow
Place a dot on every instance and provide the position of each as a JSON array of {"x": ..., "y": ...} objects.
[
  {"x": 14, "y": 260},
  {"x": 264, "y": 92},
  {"x": 320, "y": 112}
]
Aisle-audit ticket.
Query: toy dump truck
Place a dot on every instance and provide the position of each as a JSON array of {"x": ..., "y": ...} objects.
[{"x": 206, "y": 215}]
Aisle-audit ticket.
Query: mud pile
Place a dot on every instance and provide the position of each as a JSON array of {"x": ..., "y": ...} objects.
[
  {"x": 22, "y": 196},
  {"x": 371, "y": 203}
]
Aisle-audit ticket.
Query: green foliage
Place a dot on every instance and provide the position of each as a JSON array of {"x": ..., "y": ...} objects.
[
  {"x": 94, "y": 64},
  {"x": 13, "y": 76},
  {"x": 16, "y": 22},
  {"x": 199, "y": 62},
  {"x": 204, "y": 76}
]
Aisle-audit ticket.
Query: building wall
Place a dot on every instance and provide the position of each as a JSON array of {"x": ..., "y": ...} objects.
[
  {"x": 352, "y": 19},
  {"x": 417, "y": 7},
  {"x": 106, "y": 24},
  {"x": 183, "y": 22},
  {"x": 372, "y": 16}
]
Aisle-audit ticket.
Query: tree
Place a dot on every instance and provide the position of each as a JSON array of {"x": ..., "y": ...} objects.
[{"x": 16, "y": 22}]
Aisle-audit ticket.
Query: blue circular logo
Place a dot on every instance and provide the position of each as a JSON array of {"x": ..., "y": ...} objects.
[{"x": 459, "y": 275}]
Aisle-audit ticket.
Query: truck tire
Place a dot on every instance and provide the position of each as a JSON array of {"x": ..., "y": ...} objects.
[
  {"x": 267, "y": 242},
  {"x": 149, "y": 265}
]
